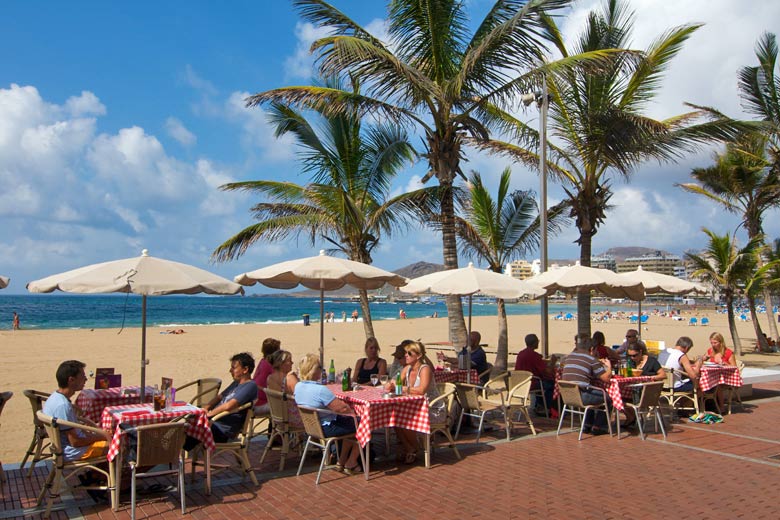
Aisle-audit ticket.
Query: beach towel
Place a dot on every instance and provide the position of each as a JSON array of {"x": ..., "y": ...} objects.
[{"x": 706, "y": 418}]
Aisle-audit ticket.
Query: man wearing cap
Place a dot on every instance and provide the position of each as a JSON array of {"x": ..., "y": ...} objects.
[{"x": 399, "y": 359}]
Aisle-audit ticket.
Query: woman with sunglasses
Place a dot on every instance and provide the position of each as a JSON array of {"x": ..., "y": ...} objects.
[{"x": 639, "y": 360}]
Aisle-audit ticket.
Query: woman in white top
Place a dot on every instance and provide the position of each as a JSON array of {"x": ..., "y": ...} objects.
[{"x": 417, "y": 379}]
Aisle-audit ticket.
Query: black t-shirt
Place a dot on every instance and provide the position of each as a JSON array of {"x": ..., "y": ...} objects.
[{"x": 651, "y": 368}]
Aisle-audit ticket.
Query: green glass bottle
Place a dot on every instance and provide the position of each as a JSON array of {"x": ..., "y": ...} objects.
[
  {"x": 399, "y": 390},
  {"x": 345, "y": 381},
  {"x": 332, "y": 373}
]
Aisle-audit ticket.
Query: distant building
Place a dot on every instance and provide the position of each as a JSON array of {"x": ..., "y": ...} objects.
[
  {"x": 519, "y": 269},
  {"x": 657, "y": 262},
  {"x": 603, "y": 262}
]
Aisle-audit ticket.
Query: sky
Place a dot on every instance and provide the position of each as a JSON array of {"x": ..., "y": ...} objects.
[{"x": 119, "y": 121}]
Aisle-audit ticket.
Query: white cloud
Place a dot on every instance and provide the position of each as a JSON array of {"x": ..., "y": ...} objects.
[
  {"x": 258, "y": 134},
  {"x": 301, "y": 63},
  {"x": 178, "y": 131},
  {"x": 85, "y": 104}
]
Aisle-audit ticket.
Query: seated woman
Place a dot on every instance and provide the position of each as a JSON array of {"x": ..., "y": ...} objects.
[
  {"x": 638, "y": 359},
  {"x": 417, "y": 379},
  {"x": 282, "y": 379},
  {"x": 371, "y": 364},
  {"x": 308, "y": 392},
  {"x": 602, "y": 350},
  {"x": 722, "y": 355}
]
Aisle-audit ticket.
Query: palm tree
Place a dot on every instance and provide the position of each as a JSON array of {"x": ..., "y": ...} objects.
[
  {"x": 499, "y": 230},
  {"x": 760, "y": 279},
  {"x": 433, "y": 74},
  {"x": 759, "y": 88},
  {"x": 598, "y": 128},
  {"x": 744, "y": 182},
  {"x": 725, "y": 267},
  {"x": 346, "y": 203}
]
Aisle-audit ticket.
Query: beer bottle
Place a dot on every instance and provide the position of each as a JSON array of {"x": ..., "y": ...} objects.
[
  {"x": 399, "y": 390},
  {"x": 332, "y": 372},
  {"x": 345, "y": 381}
]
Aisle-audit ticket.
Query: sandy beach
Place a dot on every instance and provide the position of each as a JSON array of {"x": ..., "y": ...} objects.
[{"x": 30, "y": 357}]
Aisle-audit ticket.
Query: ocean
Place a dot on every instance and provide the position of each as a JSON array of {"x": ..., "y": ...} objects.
[{"x": 69, "y": 311}]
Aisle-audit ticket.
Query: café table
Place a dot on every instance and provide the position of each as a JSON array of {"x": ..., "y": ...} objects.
[
  {"x": 92, "y": 402},
  {"x": 441, "y": 375},
  {"x": 376, "y": 411},
  {"x": 714, "y": 375},
  {"x": 620, "y": 388}
]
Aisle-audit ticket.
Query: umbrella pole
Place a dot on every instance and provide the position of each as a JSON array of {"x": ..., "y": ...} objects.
[
  {"x": 468, "y": 347},
  {"x": 639, "y": 322},
  {"x": 143, "y": 348},
  {"x": 322, "y": 326}
]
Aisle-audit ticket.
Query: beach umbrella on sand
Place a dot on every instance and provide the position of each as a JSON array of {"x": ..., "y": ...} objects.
[
  {"x": 4, "y": 282},
  {"x": 573, "y": 277},
  {"x": 144, "y": 275},
  {"x": 322, "y": 273},
  {"x": 468, "y": 281},
  {"x": 655, "y": 283}
]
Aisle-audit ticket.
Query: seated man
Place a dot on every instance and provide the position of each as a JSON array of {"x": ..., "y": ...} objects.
[
  {"x": 530, "y": 360},
  {"x": 632, "y": 339},
  {"x": 76, "y": 444},
  {"x": 241, "y": 391},
  {"x": 583, "y": 368},
  {"x": 478, "y": 356},
  {"x": 675, "y": 358}
]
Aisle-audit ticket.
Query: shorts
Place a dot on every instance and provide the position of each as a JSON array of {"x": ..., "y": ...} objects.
[
  {"x": 343, "y": 425},
  {"x": 96, "y": 449}
]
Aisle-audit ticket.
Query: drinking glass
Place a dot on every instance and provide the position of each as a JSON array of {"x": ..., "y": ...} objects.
[
  {"x": 384, "y": 379},
  {"x": 374, "y": 379}
]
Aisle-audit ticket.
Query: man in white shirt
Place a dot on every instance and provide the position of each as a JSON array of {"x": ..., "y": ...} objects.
[{"x": 675, "y": 358}]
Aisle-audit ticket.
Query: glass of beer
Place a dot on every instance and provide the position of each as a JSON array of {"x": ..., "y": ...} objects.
[{"x": 159, "y": 401}]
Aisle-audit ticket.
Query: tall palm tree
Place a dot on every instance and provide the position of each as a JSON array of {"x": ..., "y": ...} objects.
[
  {"x": 346, "y": 203},
  {"x": 725, "y": 266},
  {"x": 759, "y": 281},
  {"x": 598, "y": 128},
  {"x": 434, "y": 74},
  {"x": 499, "y": 230},
  {"x": 743, "y": 181},
  {"x": 759, "y": 88}
]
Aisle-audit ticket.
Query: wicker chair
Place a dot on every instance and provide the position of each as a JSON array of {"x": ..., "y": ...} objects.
[
  {"x": 40, "y": 438},
  {"x": 675, "y": 397},
  {"x": 734, "y": 390},
  {"x": 446, "y": 394},
  {"x": 316, "y": 438},
  {"x": 206, "y": 390},
  {"x": 648, "y": 404},
  {"x": 62, "y": 469},
  {"x": 282, "y": 429},
  {"x": 238, "y": 448},
  {"x": 158, "y": 444},
  {"x": 474, "y": 404},
  {"x": 516, "y": 401},
  {"x": 4, "y": 397},
  {"x": 573, "y": 405}
]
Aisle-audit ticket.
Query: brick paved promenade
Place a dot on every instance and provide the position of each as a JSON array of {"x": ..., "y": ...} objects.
[{"x": 702, "y": 471}]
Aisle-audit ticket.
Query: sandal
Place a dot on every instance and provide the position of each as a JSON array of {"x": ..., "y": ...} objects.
[{"x": 354, "y": 470}]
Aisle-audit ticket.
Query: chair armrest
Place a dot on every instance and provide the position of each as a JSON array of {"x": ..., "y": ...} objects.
[
  {"x": 599, "y": 389},
  {"x": 241, "y": 408},
  {"x": 78, "y": 426},
  {"x": 191, "y": 383}
]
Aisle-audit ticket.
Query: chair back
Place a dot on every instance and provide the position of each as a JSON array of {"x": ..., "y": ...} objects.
[
  {"x": 518, "y": 394},
  {"x": 668, "y": 382},
  {"x": 311, "y": 422},
  {"x": 160, "y": 443},
  {"x": 518, "y": 376},
  {"x": 52, "y": 428},
  {"x": 277, "y": 401},
  {"x": 468, "y": 396},
  {"x": 497, "y": 384},
  {"x": 206, "y": 389},
  {"x": 740, "y": 366},
  {"x": 651, "y": 392},
  {"x": 447, "y": 394},
  {"x": 570, "y": 393},
  {"x": 36, "y": 403}
]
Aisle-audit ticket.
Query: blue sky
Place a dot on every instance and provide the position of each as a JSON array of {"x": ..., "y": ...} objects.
[{"x": 119, "y": 120}]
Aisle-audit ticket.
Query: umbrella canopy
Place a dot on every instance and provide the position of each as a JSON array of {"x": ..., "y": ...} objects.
[
  {"x": 4, "y": 282},
  {"x": 660, "y": 283},
  {"x": 323, "y": 273},
  {"x": 571, "y": 278},
  {"x": 144, "y": 275},
  {"x": 468, "y": 281}
]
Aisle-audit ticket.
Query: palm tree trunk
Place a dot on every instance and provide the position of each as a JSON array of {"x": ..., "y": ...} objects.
[
  {"x": 457, "y": 328},
  {"x": 583, "y": 295},
  {"x": 733, "y": 324},
  {"x": 761, "y": 342},
  {"x": 368, "y": 325},
  {"x": 502, "y": 352},
  {"x": 770, "y": 314}
]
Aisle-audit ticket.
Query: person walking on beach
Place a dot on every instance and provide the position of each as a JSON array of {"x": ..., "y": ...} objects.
[
  {"x": 16, "y": 321},
  {"x": 344, "y": 316},
  {"x": 355, "y": 315}
]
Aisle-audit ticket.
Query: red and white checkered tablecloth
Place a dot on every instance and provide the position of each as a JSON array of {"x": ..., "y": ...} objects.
[
  {"x": 197, "y": 427},
  {"x": 719, "y": 375},
  {"x": 620, "y": 387},
  {"x": 92, "y": 401},
  {"x": 406, "y": 411},
  {"x": 455, "y": 376}
]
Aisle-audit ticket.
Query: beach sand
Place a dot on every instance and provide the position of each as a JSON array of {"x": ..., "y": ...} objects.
[{"x": 30, "y": 357}]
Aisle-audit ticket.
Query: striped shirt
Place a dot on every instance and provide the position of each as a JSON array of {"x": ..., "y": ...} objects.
[{"x": 582, "y": 368}]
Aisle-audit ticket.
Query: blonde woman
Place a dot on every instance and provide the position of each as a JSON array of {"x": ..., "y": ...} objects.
[
  {"x": 718, "y": 352},
  {"x": 369, "y": 365},
  {"x": 417, "y": 379},
  {"x": 309, "y": 392},
  {"x": 283, "y": 379}
]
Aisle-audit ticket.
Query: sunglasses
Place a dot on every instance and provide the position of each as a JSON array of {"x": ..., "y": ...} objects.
[
  {"x": 631, "y": 336},
  {"x": 635, "y": 355}
]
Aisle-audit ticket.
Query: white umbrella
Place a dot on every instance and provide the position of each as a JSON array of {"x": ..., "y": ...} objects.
[
  {"x": 323, "y": 273},
  {"x": 144, "y": 275},
  {"x": 571, "y": 278},
  {"x": 468, "y": 281},
  {"x": 4, "y": 282},
  {"x": 659, "y": 283}
]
